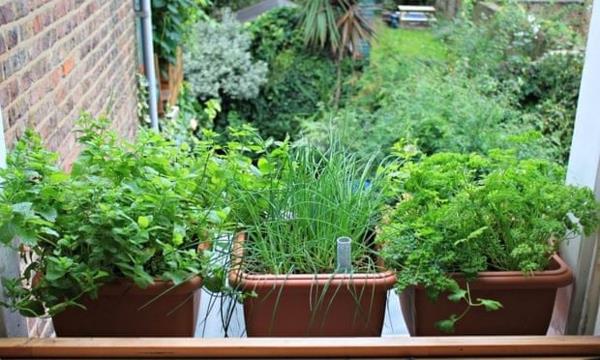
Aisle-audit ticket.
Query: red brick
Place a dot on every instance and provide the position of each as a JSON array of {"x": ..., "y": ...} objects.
[
  {"x": 2, "y": 45},
  {"x": 12, "y": 38},
  {"x": 6, "y": 14},
  {"x": 68, "y": 66},
  {"x": 61, "y": 57}
]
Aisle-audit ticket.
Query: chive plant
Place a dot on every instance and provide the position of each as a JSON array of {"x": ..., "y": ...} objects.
[{"x": 314, "y": 197}]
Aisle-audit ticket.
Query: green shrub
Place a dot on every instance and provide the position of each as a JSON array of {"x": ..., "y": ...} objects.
[
  {"x": 549, "y": 97},
  {"x": 411, "y": 92},
  {"x": 535, "y": 59},
  {"x": 275, "y": 31},
  {"x": 127, "y": 210},
  {"x": 473, "y": 213},
  {"x": 298, "y": 86},
  {"x": 299, "y": 82},
  {"x": 218, "y": 62},
  {"x": 434, "y": 110}
]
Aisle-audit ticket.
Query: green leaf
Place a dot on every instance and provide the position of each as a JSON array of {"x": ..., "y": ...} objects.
[
  {"x": 27, "y": 236},
  {"x": 31, "y": 308},
  {"x": 7, "y": 233},
  {"x": 57, "y": 268},
  {"x": 59, "y": 177},
  {"x": 447, "y": 325},
  {"x": 490, "y": 305},
  {"x": 215, "y": 281},
  {"x": 49, "y": 214},
  {"x": 23, "y": 208},
  {"x": 218, "y": 216},
  {"x": 178, "y": 234},
  {"x": 265, "y": 166},
  {"x": 144, "y": 221},
  {"x": 457, "y": 295},
  {"x": 49, "y": 231},
  {"x": 177, "y": 277}
]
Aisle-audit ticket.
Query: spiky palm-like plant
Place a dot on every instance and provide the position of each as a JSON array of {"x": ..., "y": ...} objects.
[{"x": 336, "y": 24}]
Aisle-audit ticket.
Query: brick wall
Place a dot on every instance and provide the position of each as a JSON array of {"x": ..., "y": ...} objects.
[{"x": 59, "y": 57}]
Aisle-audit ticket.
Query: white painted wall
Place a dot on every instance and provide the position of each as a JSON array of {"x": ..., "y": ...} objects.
[
  {"x": 10, "y": 324},
  {"x": 584, "y": 170}
]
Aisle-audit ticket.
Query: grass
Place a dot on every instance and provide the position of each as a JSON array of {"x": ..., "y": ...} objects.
[
  {"x": 399, "y": 53},
  {"x": 410, "y": 44}
]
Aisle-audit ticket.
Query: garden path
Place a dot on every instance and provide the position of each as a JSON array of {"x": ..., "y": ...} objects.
[{"x": 252, "y": 12}]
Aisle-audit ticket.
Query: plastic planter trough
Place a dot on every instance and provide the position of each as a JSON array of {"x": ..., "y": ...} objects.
[
  {"x": 314, "y": 305},
  {"x": 124, "y": 310},
  {"x": 527, "y": 300}
]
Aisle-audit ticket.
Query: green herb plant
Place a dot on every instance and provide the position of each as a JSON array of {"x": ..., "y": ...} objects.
[
  {"x": 135, "y": 210},
  {"x": 309, "y": 199},
  {"x": 467, "y": 213}
]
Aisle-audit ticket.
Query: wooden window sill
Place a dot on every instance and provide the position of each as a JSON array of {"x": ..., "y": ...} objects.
[{"x": 397, "y": 347}]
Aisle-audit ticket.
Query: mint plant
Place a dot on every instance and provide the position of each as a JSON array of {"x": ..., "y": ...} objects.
[
  {"x": 136, "y": 210},
  {"x": 467, "y": 213}
]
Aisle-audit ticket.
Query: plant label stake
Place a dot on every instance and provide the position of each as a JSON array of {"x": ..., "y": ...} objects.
[{"x": 344, "y": 250}]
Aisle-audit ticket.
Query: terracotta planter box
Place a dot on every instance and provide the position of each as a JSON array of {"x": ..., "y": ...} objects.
[
  {"x": 116, "y": 312},
  {"x": 528, "y": 302},
  {"x": 313, "y": 304}
]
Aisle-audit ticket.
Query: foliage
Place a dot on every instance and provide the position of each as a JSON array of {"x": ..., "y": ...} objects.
[
  {"x": 472, "y": 213},
  {"x": 218, "y": 63},
  {"x": 549, "y": 97},
  {"x": 143, "y": 109},
  {"x": 275, "y": 31},
  {"x": 535, "y": 58},
  {"x": 353, "y": 27},
  {"x": 233, "y": 4},
  {"x": 310, "y": 199},
  {"x": 338, "y": 25},
  {"x": 413, "y": 96},
  {"x": 172, "y": 20},
  {"x": 299, "y": 83},
  {"x": 127, "y": 210},
  {"x": 319, "y": 23},
  {"x": 184, "y": 122}
]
